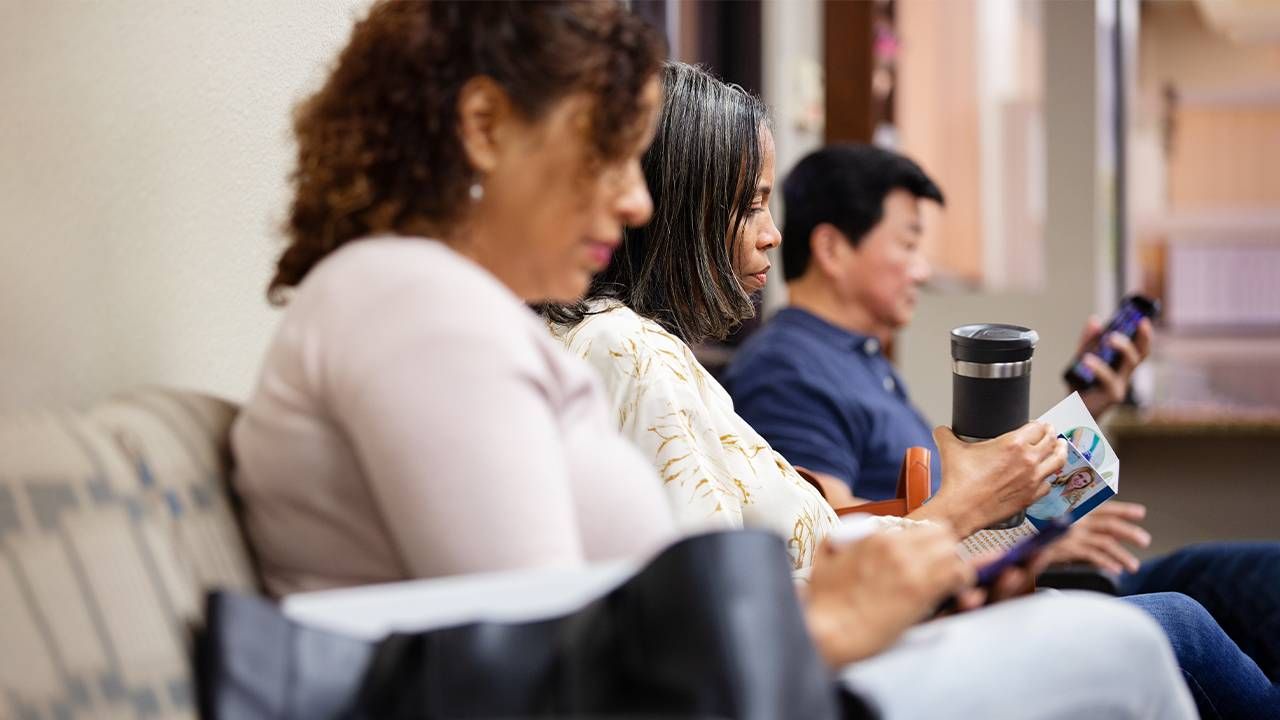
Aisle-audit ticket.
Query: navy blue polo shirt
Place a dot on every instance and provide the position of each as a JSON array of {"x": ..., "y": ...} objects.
[{"x": 827, "y": 399}]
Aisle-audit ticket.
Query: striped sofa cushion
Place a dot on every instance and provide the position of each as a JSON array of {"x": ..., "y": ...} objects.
[{"x": 113, "y": 522}]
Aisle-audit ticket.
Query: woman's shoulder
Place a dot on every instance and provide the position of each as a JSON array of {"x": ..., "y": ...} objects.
[
  {"x": 609, "y": 323},
  {"x": 392, "y": 264},
  {"x": 381, "y": 298},
  {"x": 613, "y": 332},
  {"x": 417, "y": 280}
]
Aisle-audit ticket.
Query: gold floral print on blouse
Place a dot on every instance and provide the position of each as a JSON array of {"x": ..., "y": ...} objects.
[{"x": 717, "y": 471}]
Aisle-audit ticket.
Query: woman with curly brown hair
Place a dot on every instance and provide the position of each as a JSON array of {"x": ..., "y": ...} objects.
[
  {"x": 414, "y": 419},
  {"x": 461, "y": 159}
]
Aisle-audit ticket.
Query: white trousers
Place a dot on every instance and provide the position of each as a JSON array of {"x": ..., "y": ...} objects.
[{"x": 1054, "y": 655}]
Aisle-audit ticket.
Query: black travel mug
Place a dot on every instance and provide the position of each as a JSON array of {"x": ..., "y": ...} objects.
[{"x": 991, "y": 384}]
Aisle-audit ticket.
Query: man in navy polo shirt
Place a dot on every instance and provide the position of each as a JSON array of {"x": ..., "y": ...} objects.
[
  {"x": 814, "y": 380},
  {"x": 815, "y": 383}
]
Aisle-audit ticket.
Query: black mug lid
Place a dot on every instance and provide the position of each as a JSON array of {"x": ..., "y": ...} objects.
[{"x": 993, "y": 343}]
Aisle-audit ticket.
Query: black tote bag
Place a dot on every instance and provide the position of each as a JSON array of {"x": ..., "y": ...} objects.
[{"x": 711, "y": 627}]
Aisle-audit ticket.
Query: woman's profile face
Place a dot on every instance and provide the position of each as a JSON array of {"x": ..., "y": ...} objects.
[
  {"x": 757, "y": 233},
  {"x": 556, "y": 214}
]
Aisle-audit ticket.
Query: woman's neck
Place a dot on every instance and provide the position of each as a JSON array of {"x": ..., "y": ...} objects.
[{"x": 472, "y": 241}]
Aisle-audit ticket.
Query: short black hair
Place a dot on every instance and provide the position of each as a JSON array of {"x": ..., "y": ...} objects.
[
  {"x": 844, "y": 185},
  {"x": 702, "y": 170}
]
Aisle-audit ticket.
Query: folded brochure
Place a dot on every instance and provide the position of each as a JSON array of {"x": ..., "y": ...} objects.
[{"x": 1090, "y": 478}]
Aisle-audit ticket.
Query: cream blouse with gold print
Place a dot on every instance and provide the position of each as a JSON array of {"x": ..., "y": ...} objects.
[{"x": 717, "y": 471}]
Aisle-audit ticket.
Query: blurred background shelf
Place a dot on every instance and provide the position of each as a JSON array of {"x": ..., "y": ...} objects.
[{"x": 1222, "y": 420}]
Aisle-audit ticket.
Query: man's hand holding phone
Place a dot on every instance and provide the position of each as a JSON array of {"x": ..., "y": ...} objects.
[
  {"x": 1112, "y": 385},
  {"x": 1108, "y": 355}
]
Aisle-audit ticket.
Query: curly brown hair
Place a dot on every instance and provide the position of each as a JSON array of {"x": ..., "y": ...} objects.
[{"x": 378, "y": 146}]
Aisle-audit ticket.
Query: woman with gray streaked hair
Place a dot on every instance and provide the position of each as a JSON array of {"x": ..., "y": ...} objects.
[
  {"x": 668, "y": 284},
  {"x": 687, "y": 276}
]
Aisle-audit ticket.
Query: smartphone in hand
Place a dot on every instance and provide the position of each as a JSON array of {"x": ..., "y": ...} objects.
[
  {"x": 1019, "y": 554},
  {"x": 1023, "y": 551},
  {"x": 1130, "y": 313}
]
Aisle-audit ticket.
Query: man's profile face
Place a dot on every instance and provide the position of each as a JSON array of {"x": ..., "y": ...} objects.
[{"x": 888, "y": 265}]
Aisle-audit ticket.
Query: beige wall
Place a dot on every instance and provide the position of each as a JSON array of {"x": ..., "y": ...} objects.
[
  {"x": 1225, "y": 148},
  {"x": 938, "y": 121},
  {"x": 1074, "y": 236},
  {"x": 1226, "y": 156},
  {"x": 1178, "y": 47},
  {"x": 792, "y": 86},
  {"x": 144, "y": 148}
]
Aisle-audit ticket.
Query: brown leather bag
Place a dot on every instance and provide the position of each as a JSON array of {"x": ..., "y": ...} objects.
[{"x": 913, "y": 487}]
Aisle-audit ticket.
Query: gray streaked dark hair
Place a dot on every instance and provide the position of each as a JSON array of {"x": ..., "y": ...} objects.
[{"x": 702, "y": 170}]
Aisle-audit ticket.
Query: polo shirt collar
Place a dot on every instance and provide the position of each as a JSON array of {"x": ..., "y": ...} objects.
[{"x": 831, "y": 334}]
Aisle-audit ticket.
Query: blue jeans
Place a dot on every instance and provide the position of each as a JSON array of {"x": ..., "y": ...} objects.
[
  {"x": 1224, "y": 681},
  {"x": 1237, "y": 582}
]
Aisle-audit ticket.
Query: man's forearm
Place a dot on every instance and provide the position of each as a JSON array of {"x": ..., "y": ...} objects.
[{"x": 960, "y": 515}]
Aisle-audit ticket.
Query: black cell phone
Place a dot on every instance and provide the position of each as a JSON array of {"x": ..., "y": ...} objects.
[
  {"x": 1130, "y": 313},
  {"x": 1019, "y": 554},
  {"x": 1023, "y": 550}
]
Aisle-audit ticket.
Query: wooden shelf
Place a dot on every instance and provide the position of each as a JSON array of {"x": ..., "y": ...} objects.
[
  {"x": 1206, "y": 420},
  {"x": 1214, "y": 226}
]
